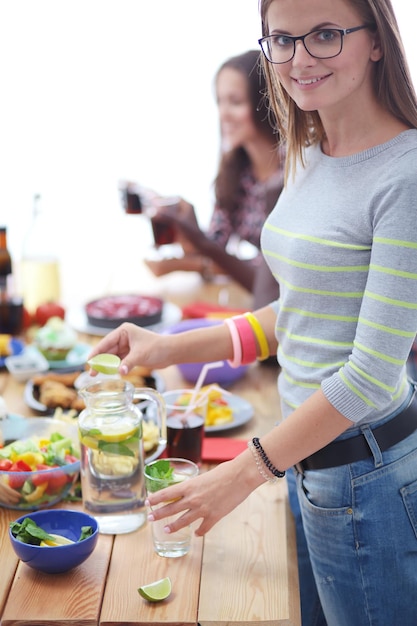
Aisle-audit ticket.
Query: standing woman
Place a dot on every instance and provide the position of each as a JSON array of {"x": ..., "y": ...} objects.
[{"x": 342, "y": 243}]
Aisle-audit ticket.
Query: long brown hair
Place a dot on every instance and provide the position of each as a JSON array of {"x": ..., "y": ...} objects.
[
  {"x": 392, "y": 81},
  {"x": 227, "y": 184}
]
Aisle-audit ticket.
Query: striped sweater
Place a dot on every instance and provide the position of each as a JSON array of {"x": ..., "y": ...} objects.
[{"x": 342, "y": 243}]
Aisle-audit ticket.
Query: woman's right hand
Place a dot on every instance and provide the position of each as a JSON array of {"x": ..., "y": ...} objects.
[
  {"x": 138, "y": 346},
  {"x": 183, "y": 217},
  {"x": 135, "y": 346}
]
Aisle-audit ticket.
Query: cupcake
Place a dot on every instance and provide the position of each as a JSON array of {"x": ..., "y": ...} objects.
[{"x": 55, "y": 339}]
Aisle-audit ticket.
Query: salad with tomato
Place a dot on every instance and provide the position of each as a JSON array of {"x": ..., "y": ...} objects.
[{"x": 36, "y": 472}]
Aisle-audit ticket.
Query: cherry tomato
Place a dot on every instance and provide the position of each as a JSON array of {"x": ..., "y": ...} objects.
[
  {"x": 48, "y": 310},
  {"x": 70, "y": 458},
  {"x": 27, "y": 318},
  {"x": 16, "y": 480},
  {"x": 56, "y": 481},
  {"x": 5, "y": 465},
  {"x": 20, "y": 466},
  {"x": 39, "y": 479}
]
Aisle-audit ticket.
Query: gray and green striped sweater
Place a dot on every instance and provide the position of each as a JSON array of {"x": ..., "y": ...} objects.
[{"x": 342, "y": 243}]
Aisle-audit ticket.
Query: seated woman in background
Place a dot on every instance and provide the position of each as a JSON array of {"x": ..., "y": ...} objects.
[{"x": 247, "y": 186}]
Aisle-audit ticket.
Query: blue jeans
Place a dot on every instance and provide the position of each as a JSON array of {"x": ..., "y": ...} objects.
[
  {"x": 311, "y": 611},
  {"x": 360, "y": 526}
]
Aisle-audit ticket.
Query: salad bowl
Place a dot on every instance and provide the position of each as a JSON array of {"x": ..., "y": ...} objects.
[{"x": 40, "y": 467}]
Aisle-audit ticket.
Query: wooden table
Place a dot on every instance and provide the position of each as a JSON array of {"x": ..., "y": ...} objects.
[{"x": 242, "y": 572}]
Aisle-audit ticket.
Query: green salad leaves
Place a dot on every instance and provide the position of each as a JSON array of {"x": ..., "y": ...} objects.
[{"x": 29, "y": 532}]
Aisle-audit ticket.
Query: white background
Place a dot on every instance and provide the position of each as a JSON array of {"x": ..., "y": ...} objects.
[{"x": 93, "y": 91}]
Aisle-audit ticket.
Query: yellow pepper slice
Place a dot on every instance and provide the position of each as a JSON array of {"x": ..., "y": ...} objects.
[
  {"x": 38, "y": 493},
  {"x": 31, "y": 458}
]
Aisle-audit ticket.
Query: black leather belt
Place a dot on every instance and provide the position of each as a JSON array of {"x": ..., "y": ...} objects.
[{"x": 356, "y": 448}]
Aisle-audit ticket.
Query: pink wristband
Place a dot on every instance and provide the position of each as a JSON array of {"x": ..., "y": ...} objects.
[
  {"x": 237, "y": 347},
  {"x": 247, "y": 339}
]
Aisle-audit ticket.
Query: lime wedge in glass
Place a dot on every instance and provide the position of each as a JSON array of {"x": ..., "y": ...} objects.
[
  {"x": 154, "y": 592},
  {"x": 105, "y": 363}
]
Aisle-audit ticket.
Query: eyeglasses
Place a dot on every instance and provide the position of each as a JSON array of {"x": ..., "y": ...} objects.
[{"x": 325, "y": 43}]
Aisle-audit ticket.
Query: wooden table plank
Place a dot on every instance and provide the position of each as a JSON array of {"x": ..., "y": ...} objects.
[
  {"x": 134, "y": 563},
  {"x": 246, "y": 565},
  {"x": 68, "y": 599},
  {"x": 9, "y": 560}
]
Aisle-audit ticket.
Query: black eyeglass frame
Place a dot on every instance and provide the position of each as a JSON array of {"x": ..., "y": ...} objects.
[{"x": 342, "y": 31}]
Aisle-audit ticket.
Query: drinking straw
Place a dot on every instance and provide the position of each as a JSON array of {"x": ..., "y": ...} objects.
[{"x": 199, "y": 384}]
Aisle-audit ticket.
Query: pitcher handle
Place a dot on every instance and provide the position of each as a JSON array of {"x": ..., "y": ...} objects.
[{"x": 154, "y": 396}]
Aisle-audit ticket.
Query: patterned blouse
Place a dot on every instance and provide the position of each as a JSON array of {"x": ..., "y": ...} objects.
[{"x": 247, "y": 221}]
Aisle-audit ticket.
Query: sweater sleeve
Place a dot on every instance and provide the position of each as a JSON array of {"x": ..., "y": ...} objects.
[{"x": 387, "y": 322}]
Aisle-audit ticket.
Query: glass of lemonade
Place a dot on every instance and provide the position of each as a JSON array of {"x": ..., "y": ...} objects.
[{"x": 169, "y": 472}]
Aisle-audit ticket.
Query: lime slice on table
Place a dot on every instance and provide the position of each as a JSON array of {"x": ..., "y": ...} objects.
[
  {"x": 105, "y": 363},
  {"x": 159, "y": 590}
]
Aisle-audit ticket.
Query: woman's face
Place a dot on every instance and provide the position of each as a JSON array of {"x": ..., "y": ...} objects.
[
  {"x": 324, "y": 84},
  {"x": 235, "y": 109}
]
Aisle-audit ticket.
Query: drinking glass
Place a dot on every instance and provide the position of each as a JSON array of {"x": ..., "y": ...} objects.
[
  {"x": 185, "y": 424},
  {"x": 174, "y": 544}
]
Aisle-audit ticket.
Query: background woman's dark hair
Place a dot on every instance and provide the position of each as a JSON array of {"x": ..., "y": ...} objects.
[{"x": 232, "y": 163}]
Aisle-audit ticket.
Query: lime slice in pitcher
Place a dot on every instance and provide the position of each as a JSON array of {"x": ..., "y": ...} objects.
[
  {"x": 154, "y": 592},
  {"x": 105, "y": 363}
]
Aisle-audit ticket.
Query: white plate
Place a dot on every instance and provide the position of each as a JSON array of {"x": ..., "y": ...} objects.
[
  {"x": 77, "y": 318},
  {"x": 33, "y": 402},
  {"x": 242, "y": 413}
]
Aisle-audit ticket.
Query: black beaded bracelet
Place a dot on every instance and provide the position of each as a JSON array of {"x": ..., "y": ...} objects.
[{"x": 276, "y": 472}]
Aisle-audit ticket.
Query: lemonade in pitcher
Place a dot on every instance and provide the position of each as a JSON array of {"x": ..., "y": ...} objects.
[{"x": 112, "y": 456}]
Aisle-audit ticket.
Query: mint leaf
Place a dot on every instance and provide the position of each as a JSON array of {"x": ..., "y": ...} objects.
[
  {"x": 86, "y": 531},
  {"x": 28, "y": 532},
  {"x": 161, "y": 469},
  {"x": 163, "y": 474}
]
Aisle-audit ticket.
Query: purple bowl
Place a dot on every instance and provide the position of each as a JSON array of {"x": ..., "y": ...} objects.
[{"x": 223, "y": 376}]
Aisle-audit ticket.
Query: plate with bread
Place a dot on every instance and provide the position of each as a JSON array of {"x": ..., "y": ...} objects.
[{"x": 54, "y": 390}]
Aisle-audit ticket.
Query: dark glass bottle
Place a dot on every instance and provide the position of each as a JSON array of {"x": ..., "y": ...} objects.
[{"x": 5, "y": 260}]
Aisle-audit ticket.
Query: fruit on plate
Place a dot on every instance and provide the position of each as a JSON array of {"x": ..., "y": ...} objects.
[
  {"x": 47, "y": 310},
  {"x": 55, "y": 339}
]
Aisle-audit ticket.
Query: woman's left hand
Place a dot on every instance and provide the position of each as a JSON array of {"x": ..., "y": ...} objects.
[{"x": 207, "y": 497}]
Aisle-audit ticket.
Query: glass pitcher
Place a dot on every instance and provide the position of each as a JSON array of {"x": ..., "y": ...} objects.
[{"x": 112, "y": 454}]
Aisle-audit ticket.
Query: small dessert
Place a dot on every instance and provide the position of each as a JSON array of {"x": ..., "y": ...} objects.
[
  {"x": 111, "y": 311},
  {"x": 56, "y": 339}
]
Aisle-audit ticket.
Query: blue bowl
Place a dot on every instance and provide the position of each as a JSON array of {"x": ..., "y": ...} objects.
[
  {"x": 57, "y": 559},
  {"x": 223, "y": 376}
]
